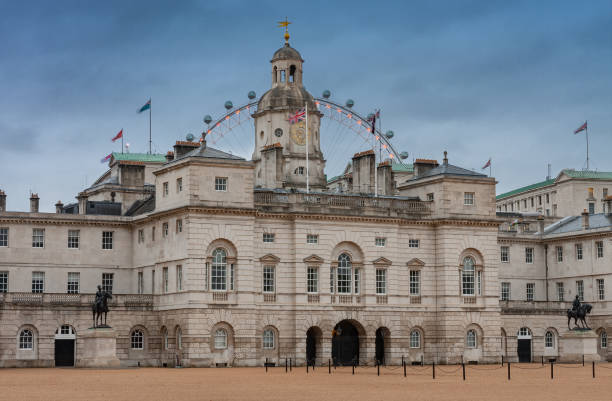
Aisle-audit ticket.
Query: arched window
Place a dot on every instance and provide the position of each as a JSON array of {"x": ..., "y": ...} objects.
[
  {"x": 524, "y": 332},
  {"x": 137, "y": 339},
  {"x": 471, "y": 340},
  {"x": 344, "y": 274},
  {"x": 292, "y": 74},
  {"x": 603, "y": 340},
  {"x": 220, "y": 339},
  {"x": 268, "y": 339},
  {"x": 275, "y": 74},
  {"x": 282, "y": 75},
  {"x": 26, "y": 339},
  {"x": 218, "y": 274},
  {"x": 415, "y": 339},
  {"x": 549, "y": 340},
  {"x": 467, "y": 276}
]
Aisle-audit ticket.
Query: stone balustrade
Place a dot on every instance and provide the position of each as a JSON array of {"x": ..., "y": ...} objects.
[{"x": 28, "y": 298}]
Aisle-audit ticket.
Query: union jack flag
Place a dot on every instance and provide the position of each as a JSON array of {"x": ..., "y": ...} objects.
[{"x": 299, "y": 115}]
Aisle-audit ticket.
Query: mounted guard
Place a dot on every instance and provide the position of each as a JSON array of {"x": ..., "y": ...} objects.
[
  {"x": 100, "y": 306},
  {"x": 579, "y": 311}
]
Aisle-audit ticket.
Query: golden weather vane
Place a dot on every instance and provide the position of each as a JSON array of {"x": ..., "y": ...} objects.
[{"x": 285, "y": 24}]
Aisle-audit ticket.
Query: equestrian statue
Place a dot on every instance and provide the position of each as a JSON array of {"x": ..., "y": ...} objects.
[
  {"x": 579, "y": 311},
  {"x": 100, "y": 306}
]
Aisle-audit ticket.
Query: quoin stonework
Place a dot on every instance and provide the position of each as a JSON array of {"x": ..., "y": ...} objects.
[{"x": 214, "y": 260}]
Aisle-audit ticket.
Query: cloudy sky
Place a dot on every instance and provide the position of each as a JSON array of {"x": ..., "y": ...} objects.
[{"x": 509, "y": 80}]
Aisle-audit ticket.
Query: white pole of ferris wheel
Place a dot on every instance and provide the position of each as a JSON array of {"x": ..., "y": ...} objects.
[
  {"x": 374, "y": 149},
  {"x": 307, "y": 172}
]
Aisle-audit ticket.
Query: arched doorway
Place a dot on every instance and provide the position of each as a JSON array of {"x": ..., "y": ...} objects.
[
  {"x": 523, "y": 347},
  {"x": 382, "y": 344},
  {"x": 345, "y": 344},
  {"x": 313, "y": 342},
  {"x": 65, "y": 339}
]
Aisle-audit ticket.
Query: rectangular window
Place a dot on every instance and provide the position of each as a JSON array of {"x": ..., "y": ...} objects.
[
  {"x": 560, "y": 292},
  {"x": 107, "y": 282},
  {"x": 467, "y": 282},
  {"x": 268, "y": 279},
  {"x": 312, "y": 239},
  {"x": 591, "y": 208},
  {"x": 380, "y": 241},
  {"x": 140, "y": 283},
  {"x": 179, "y": 226},
  {"x": 38, "y": 282},
  {"x": 152, "y": 281},
  {"x": 530, "y": 291},
  {"x": 413, "y": 243},
  {"x": 3, "y": 236},
  {"x": 165, "y": 189},
  {"x": 579, "y": 251},
  {"x": 505, "y": 254},
  {"x": 479, "y": 282},
  {"x": 559, "y": 254},
  {"x": 107, "y": 240},
  {"x": 3, "y": 281},
  {"x": 74, "y": 280},
  {"x": 532, "y": 205},
  {"x": 580, "y": 290},
  {"x": 468, "y": 198},
  {"x": 430, "y": 196},
  {"x": 152, "y": 233},
  {"x": 415, "y": 282},
  {"x": 165, "y": 280},
  {"x": 505, "y": 291},
  {"x": 231, "y": 283},
  {"x": 140, "y": 236},
  {"x": 332, "y": 280},
  {"x": 528, "y": 255},
  {"x": 525, "y": 203},
  {"x": 381, "y": 281},
  {"x": 179, "y": 278},
  {"x": 599, "y": 248},
  {"x": 73, "y": 239},
  {"x": 179, "y": 185},
  {"x": 218, "y": 276},
  {"x": 539, "y": 200},
  {"x": 312, "y": 280},
  {"x": 357, "y": 274},
  {"x": 344, "y": 280},
  {"x": 601, "y": 291},
  {"x": 221, "y": 184},
  {"x": 547, "y": 198},
  {"x": 38, "y": 238},
  {"x": 268, "y": 237},
  {"x": 165, "y": 230}
]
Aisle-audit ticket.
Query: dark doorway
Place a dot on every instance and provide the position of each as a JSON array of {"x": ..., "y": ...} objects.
[
  {"x": 64, "y": 352},
  {"x": 524, "y": 350},
  {"x": 345, "y": 344},
  {"x": 312, "y": 338},
  {"x": 380, "y": 346}
]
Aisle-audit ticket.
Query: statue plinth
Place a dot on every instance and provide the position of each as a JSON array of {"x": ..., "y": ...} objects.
[
  {"x": 576, "y": 343},
  {"x": 99, "y": 349}
]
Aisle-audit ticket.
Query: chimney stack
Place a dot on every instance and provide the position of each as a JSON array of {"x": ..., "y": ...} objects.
[
  {"x": 445, "y": 161},
  {"x": 585, "y": 220},
  {"x": 2, "y": 201},
  {"x": 541, "y": 224},
  {"x": 59, "y": 207},
  {"x": 169, "y": 156},
  {"x": 34, "y": 201}
]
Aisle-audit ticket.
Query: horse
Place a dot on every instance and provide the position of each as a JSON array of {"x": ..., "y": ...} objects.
[
  {"x": 100, "y": 307},
  {"x": 581, "y": 313}
]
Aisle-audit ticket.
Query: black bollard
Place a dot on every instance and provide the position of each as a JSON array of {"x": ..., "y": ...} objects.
[
  {"x": 404, "y": 363},
  {"x": 542, "y": 360},
  {"x": 508, "y": 370},
  {"x": 582, "y": 359},
  {"x": 285, "y": 365},
  {"x": 377, "y": 369},
  {"x": 551, "y": 370},
  {"x": 306, "y": 366},
  {"x": 290, "y": 364},
  {"x": 593, "y": 369},
  {"x": 402, "y": 360},
  {"x": 353, "y": 367},
  {"x": 313, "y": 366},
  {"x": 502, "y": 360},
  {"x": 433, "y": 370},
  {"x": 329, "y": 366},
  {"x": 463, "y": 367},
  {"x": 266, "y": 364}
]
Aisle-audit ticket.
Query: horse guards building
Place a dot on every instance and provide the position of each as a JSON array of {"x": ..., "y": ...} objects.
[{"x": 214, "y": 260}]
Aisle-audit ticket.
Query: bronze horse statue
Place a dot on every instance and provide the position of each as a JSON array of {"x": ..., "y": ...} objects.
[
  {"x": 579, "y": 314},
  {"x": 100, "y": 306}
]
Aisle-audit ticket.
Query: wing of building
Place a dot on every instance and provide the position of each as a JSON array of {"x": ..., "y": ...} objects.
[{"x": 213, "y": 260}]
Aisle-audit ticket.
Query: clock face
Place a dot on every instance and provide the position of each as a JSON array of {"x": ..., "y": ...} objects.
[
  {"x": 298, "y": 133},
  {"x": 278, "y": 132}
]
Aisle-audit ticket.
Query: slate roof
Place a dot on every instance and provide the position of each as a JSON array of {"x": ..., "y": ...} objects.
[
  {"x": 210, "y": 153},
  {"x": 141, "y": 206},
  {"x": 449, "y": 169},
  {"x": 574, "y": 223},
  {"x": 139, "y": 157}
]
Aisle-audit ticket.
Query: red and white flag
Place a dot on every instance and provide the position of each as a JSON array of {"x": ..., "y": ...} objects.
[
  {"x": 297, "y": 117},
  {"x": 487, "y": 164},
  {"x": 581, "y": 128},
  {"x": 118, "y": 136}
]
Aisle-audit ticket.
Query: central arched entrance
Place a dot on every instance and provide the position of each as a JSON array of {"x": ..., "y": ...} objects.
[
  {"x": 382, "y": 344},
  {"x": 313, "y": 342},
  {"x": 345, "y": 344}
]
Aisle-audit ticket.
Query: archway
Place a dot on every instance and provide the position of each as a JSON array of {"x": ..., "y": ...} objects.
[
  {"x": 313, "y": 344},
  {"x": 523, "y": 347},
  {"x": 345, "y": 344},
  {"x": 383, "y": 335},
  {"x": 65, "y": 339}
]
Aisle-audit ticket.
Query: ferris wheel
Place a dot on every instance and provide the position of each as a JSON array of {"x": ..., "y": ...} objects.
[{"x": 343, "y": 133}]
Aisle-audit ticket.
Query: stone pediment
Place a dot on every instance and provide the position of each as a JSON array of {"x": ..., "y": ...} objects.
[
  {"x": 313, "y": 259},
  {"x": 382, "y": 261},
  {"x": 269, "y": 258},
  {"x": 415, "y": 262}
]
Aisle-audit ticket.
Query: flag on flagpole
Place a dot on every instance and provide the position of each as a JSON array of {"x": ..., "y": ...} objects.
[
  {"x": 299, "y": 115},
  {"x": 581, "y": 128},
  {"x": 118, "y": 136},
  {"x": 146, "y": 106},
  {"x": 105, "y": 159},
  {"x": 487, "y": 164}
]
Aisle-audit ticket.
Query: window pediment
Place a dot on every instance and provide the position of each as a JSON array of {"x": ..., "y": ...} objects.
[
  {"x": 314, "y": 259},
  {"x": 415, "y": 262},
  {"x": 269, "y": 258},
  {"x": 382, "y": 261}
]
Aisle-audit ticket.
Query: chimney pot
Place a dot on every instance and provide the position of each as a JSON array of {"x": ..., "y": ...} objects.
[
  {"x": 585, "y": 220},
  {"x": 34, "y": 202},
  {"x": 445, "y": 158},
  {"x": 59, "y": 207},
  {"x": 541, "y": 224},
  {"x": 2, "y": 201}
]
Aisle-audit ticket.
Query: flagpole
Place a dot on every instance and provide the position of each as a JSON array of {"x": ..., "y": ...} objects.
[
  {"x": 490, "y": 163},
  {"x": 121, "y": 140},
  {"x": 307, "y": 171},
  {"x": 586, "y": 129},
  {"x": 374, "y": 149},
  {"x": 150, "y": 111}
]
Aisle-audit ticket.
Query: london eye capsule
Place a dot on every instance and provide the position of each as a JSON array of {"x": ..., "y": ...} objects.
[
  {"x": 389, "y": 134},
  {"x": 326, "y": 93},
  {"x": 350, "y": 103},
  {"x": 229, "y": 105},
  {"x": 207, "y": 119},
  {"x": 190, "y": 137},
  {"x": 404, "y": 155},
  {"x": 252, "y": 95}
]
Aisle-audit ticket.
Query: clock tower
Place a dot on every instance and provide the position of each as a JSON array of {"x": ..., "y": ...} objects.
[{"x": 280, "y": 145}]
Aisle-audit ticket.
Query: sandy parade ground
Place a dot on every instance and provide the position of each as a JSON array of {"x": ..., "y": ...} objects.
[{"x": 484, "y": 382}]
